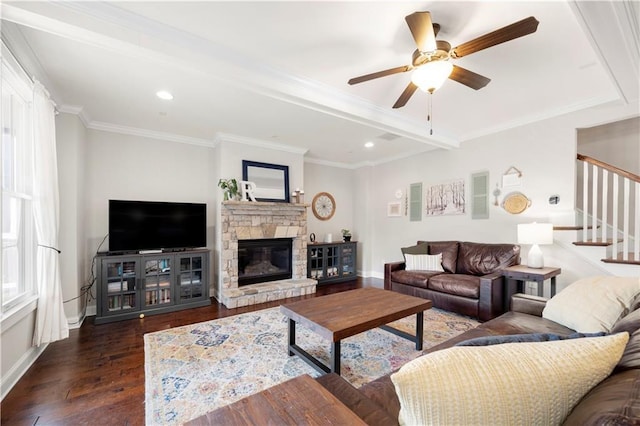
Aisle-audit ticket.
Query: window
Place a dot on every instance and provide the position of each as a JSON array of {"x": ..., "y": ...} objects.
[{"x": 18, "y": 242}]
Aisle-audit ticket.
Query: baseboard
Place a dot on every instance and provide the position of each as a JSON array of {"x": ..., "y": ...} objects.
[
  {"x": 76, "y": 322},
  {"x": 16, "y": 372},
  {"x": 91, "y": 311}
]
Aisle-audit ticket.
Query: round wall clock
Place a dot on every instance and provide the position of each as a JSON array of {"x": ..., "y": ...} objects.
[{"x": 323, "y": 206}]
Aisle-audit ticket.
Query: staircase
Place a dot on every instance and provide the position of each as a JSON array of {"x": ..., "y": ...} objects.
[{"x": 607, "y": 217}]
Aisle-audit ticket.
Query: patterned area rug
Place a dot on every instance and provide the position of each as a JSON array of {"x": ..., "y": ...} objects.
[{"x": 194, "y": 369}]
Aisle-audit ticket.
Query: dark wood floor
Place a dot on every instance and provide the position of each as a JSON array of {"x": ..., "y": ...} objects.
[{"x": 96, "y": 376}]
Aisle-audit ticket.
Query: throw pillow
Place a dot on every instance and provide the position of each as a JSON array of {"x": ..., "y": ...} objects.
[
  {"x": 504, "y": 384},
  {"x": 423, "y": 262},
  {"x": 523, "y": 338},
  {"x": 449, "y": 250},
  {"x": 422, "y": 248},
  {"x": 631, "y": 324},
  {"x": 593, "y": 304}
]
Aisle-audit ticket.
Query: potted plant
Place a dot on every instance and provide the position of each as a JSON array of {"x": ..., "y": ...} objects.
[
  {"x": 346, "y": 235},
  {"x": 230, "y": 188}
]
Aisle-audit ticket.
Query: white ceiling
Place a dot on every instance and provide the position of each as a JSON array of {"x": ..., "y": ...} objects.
[{"x": 276, "y": 72}]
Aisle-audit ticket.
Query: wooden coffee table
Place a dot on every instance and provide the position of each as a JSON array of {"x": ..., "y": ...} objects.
[{"x": 341, "y": 315}]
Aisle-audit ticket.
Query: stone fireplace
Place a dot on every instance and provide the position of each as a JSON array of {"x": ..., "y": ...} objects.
[{"x": 253, "y": 221}]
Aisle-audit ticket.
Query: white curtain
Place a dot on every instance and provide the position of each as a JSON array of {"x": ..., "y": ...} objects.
[{"x": 51, "y": 322}]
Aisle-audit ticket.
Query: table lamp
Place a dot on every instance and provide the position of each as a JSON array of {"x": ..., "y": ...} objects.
[{"x": 535, "y": 234}]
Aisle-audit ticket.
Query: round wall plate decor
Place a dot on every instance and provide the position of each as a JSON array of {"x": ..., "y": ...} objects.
[{"x": 516, "y": 202}]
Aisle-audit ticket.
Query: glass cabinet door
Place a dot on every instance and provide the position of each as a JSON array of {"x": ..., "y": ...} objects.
[
  {"x": 121, "y": 292},
  {"x": 157, "y": 281},
  {"x": 332, "y": 262},
  {"x": 316, "y": 263},
  {"x": 348, "y": 263},
  {"x": 190, "y": 278}
]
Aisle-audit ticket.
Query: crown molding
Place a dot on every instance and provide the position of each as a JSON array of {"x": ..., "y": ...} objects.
[
  {"x": 549, "y": 114},
  {"x": 132, "y": 131},
  {"x": 362, "y": 164},
  {"x": 152, "y": 134},
  {"x": 228, "y": 137}
]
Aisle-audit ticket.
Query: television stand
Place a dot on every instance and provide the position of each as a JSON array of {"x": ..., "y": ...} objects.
[
  {"x": 150, "y": 251},
  {"x": 130, "y": 285}
]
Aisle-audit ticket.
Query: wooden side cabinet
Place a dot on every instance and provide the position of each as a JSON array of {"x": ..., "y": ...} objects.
[
  {"x": 332, "y": 262},
  {"x": 130, "y": 285}
]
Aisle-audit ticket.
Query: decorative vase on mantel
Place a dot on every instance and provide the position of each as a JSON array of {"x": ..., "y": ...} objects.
[{"x": 230, "y": 188}]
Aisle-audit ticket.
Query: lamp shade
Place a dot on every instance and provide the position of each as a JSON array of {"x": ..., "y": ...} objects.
[
  {"x": 430, "y": 76},
  {"x": 535, "y": 233}
]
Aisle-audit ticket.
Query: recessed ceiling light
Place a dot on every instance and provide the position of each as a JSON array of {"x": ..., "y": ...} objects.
[
  {"x": 369, "y": 145},
  {"x": 163, "y": 94}
]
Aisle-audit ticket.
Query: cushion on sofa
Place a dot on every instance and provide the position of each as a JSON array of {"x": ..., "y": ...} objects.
[
  {"x": 631, "y": 355},
  {"x": 460, "y": 285},
  {"x": 613, "y": 402},
  {"x": 423, "y": 262},
  {"x": 449, "y": 250},
  {"x": 413, "y": 278},
  {"x": 631, "y": 324},
  {"x": 520, "y": 323},
  {"x": 483, "y": 259},
  {"x": 593, "y": 304},
  {"x": 540, "y": 382},
  {"x": 524, "y": 338},
  {"x": 422, "y": 248}
]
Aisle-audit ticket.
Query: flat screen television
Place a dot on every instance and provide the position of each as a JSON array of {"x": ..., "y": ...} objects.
[{"x": 153, "y": 225}]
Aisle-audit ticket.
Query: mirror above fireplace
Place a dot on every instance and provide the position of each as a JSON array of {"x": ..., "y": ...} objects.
[{"x": 271, "y": 180}]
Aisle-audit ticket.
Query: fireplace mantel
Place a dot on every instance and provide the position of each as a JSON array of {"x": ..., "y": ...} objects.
[
  {"x": 243, "y": 220},
  {"x": 255, "y": 207}
]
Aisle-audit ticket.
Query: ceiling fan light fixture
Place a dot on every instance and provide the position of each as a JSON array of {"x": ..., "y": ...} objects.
[{"x": 430, "y": 76}]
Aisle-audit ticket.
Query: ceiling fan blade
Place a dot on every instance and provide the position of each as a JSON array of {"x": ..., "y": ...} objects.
[
  {"x": 379, "y": 74},
  {"x": 422, "y": 30},
  {"x": 468, "y": 78},
  {"x": 518, "y": 29},
  {"x": 408, "y": 92}
]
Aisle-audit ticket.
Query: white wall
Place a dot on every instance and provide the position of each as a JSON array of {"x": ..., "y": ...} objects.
[
  {"x": 137, "y": 168},
  {"x": 339, "y": 182},
  {"x": 615, "y": 143},
  {"x": 545, "y": 153},
  {"x": 71, "y": 142}
]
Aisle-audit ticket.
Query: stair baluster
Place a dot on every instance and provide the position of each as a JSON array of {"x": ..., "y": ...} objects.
[{"x": 624, "y": 241}]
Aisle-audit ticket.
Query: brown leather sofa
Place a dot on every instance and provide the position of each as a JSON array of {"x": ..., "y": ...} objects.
[
  {"x": 614, "y": 401},
  {"x": 471, "y": 284}
]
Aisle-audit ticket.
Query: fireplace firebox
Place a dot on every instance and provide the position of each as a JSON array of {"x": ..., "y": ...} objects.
[{"x": 264, "y": 260}]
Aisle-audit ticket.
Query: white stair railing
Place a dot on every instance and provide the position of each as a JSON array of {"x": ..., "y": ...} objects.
[{"x": 601, "y": 195}]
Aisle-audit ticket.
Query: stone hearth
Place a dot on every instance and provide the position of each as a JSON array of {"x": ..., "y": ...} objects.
[{"x": 244, "y": 220}]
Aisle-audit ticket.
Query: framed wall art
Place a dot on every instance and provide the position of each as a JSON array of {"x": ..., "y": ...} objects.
[
  {"x": 445, "y": 199},
  {"x": 394, "y": 209}
]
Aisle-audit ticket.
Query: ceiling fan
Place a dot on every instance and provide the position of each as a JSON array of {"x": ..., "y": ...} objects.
[{"x": 431, "y": 61}]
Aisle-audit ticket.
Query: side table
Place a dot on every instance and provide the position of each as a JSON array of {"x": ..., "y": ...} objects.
[{"x": 518, "y": 274}]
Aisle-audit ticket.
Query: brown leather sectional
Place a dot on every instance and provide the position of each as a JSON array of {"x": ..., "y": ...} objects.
[
  {"x": 614, "y": 401},
  {"x": 471, "y": 284}
]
